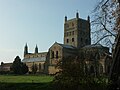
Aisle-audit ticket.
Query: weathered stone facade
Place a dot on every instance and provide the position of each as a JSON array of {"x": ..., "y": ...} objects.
[
  {"x": 95, "y": 58},
  {"x": 57, "y": 52},
  {"x": 77, "y": 32}
]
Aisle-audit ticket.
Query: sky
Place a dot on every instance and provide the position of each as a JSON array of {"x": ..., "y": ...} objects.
[{"x": 34, "y": 22}]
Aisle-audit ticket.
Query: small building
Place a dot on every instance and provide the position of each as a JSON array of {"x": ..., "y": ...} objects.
[{"x": 5, "y": 66}]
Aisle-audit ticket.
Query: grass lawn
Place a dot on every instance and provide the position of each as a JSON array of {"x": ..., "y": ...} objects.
[
  {"x": 25, "y": 82},
  {"x": 25, "y": 79}
]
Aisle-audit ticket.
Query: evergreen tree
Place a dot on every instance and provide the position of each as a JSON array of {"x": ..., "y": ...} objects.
[{"x": 18, "y": 67}]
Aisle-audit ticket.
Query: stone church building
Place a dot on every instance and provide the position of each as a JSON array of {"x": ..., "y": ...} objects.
[
  {"x": 77, "y": 42},
  {"x": 34, "y": 58}
]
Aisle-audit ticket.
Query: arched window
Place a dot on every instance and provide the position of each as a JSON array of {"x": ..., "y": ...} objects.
[
  {"x": 39, "y": 66},
  {"x": 43, "y": 66},
  {"x": 67, "y": 40},
  {"x": 52, "y": 54},
  {"x": 56, "y": 54}
]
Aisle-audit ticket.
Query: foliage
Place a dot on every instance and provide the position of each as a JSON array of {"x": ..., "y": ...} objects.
[
  {"x": 72, "y": 76},
  {"x": 34, "y": 68},
  {"x": 107, "y": 18},
  {"x": 18, "y": 67},
  {"x": 71, "y": 73}
]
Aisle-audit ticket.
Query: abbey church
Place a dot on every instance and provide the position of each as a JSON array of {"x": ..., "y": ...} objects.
[{"x": 77, "y": 42}]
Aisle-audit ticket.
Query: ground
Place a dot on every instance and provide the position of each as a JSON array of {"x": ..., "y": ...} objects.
[
  {"x": 44, "y": 82},
  {"x": 25, "y": 82}
]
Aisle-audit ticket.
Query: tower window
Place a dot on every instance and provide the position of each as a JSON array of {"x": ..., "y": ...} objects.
[
  {"x": 72, "y": 24},
  {"x": 67, "y": 34},
  {"x": 56, "y": 54},
  {"x": 67, "y": 40},
  {"x": 72, "y": 32},
  {"x": 72, "y": 39}
]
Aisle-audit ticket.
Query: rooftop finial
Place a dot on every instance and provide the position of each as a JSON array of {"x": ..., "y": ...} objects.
[
  {"x": 77, "y": 14},
  {"x": 26, "y": 44},
  {"x": 88, "y": 18},
  {"x": 36, "y": 49},
  {"x": 25, "y": 49},
  {"x": 65, "y": 18}
]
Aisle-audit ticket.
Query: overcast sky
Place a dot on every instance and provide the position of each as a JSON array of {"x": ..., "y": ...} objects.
[{"x": 36, "y": 22}]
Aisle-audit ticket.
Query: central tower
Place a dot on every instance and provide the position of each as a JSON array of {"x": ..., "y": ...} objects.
[{"x": 77, "y": 31}]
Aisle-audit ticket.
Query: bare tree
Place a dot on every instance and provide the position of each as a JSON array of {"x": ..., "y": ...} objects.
[{"x": 104, "y": 23}]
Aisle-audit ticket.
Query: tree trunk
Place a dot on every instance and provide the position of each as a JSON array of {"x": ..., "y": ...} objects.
[{"x": 115, "y": 69}]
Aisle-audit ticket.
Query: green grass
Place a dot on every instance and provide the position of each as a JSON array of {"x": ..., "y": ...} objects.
[
  {"x": 26, "y": 82},
  {"x": 25, "y": 79}
]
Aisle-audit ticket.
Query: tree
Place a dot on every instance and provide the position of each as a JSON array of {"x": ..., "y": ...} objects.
[
  {"x": 2, "y": 66},
  {"x": 18, "y": 67},
  {"x": 24, "y": 68},
  {"x": 111, "y": 18},
  {"x": 34, "y": 68},
  {"x": 70, "y": 75},
  {"x": 104, "y": 23},
  {"x": 2, "y": 63},
  {"x": 115, "y": 72}
]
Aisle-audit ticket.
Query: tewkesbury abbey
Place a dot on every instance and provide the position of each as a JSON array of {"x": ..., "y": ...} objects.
[{"x": 77, "y": 42}]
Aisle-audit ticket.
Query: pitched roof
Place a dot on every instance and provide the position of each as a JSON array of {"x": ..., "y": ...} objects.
[
  {"x": 66, "y": 46},
  {"x": 94, "y": 46},
  {"x": 37, "y": 59}
]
